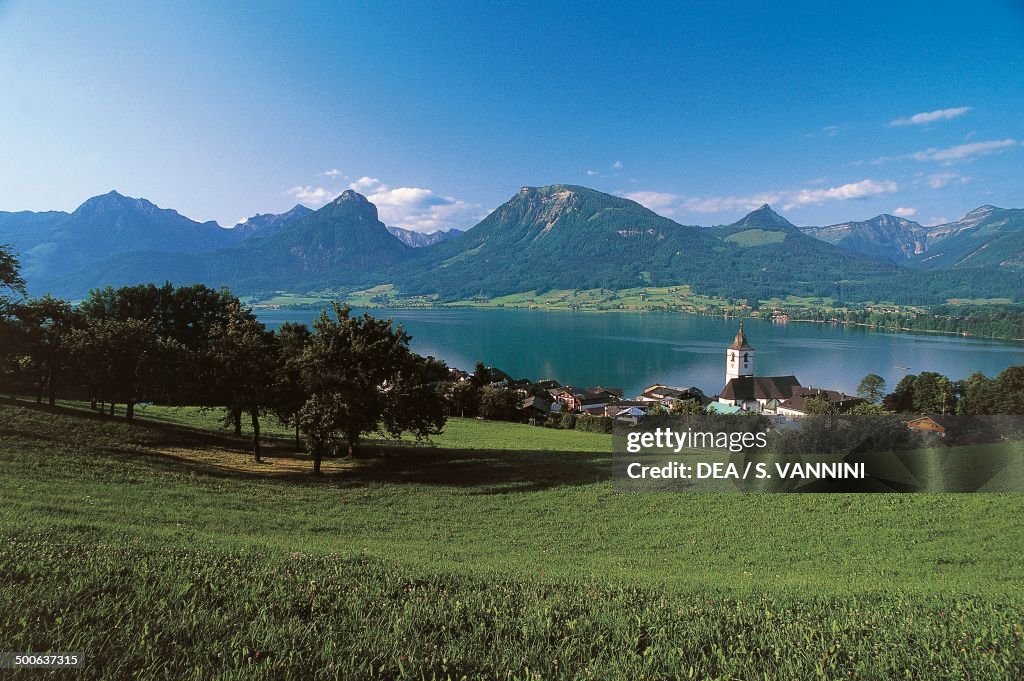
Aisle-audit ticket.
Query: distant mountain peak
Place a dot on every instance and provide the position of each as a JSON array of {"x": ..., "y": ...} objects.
[
  {"x": 264, "y": 223},
  {"x": 351, "y": 203},
  {"x": 981, "y": 211},
  {"x": 420, "y": 239},
  {"x": 114, "y": 200},
  {"x": 351, "y": 195},
  {"x": 767, "y": 219}
]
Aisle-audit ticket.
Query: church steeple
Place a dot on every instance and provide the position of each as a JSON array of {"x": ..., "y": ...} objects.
[{"x": 739, "y": 357}]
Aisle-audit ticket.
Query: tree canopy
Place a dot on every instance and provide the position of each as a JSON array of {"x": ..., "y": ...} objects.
[{"x": 362, "y": 378}]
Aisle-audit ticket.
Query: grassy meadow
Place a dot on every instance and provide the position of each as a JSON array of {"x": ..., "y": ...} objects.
[{"x": 162, "y": 550}]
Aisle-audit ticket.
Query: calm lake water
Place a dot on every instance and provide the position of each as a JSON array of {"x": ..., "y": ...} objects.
[{"x": 633, "y": 350}]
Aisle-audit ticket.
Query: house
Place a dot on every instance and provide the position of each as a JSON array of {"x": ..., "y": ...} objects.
[
  {"x": 796, "y": 405},
  {"x": 589, "y": 400},
  {"x": 598, "y": 398},
  {"x": 933, "y": 423},
  {"x": 666, "y": 394},
  {"x": 566, "y": 396},
  {"x": 745, "y": 390},
  {"x": 723, "y": 408},
  {"x": 629, "y": 408},
  {"x": 536, "y": 407}
]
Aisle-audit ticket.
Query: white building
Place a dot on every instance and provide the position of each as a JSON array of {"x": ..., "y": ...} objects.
[{"x": 745, "y": 390}]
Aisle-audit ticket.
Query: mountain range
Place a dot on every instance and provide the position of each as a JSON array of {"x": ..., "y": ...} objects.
[
  {"x": 985, "y": 237},
  {"x": 421, "y": 239},
  {"x": 543, "y": 238}
]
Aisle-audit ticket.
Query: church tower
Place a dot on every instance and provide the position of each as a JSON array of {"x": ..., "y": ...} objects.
[{"x": 739, "y": 357}]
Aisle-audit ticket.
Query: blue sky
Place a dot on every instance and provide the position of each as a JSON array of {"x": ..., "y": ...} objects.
[{"x": 440, "y": 112}]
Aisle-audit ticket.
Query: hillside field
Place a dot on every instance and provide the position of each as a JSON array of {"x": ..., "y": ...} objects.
[{"x": 162, "y": 550}]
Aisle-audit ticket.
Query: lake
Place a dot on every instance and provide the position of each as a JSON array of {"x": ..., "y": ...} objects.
[{"x": 632, "y": 350}]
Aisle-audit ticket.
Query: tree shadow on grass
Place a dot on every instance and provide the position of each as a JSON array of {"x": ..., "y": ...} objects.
[
  {"x": 473, "y": 471},
  {"x": 173, "y": 448},
  {"x": 491, "y": 471}
]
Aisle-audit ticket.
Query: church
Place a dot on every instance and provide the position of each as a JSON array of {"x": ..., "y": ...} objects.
[{"x": 749, "y": 392}]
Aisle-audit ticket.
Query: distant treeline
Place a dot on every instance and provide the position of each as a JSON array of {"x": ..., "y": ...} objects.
[{"x": 989, "y": 321}]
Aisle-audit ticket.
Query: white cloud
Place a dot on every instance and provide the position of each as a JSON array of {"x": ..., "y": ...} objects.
[
  {"x": 365, "y": 183},
  {"x": 418, "y": 209},
  {"x": 670, "y": 204},
  {"x": 313, "y": 196},
  {"x": 592, "y": 173},
  {"x": 930, "y": 116},
  {"x": 940, "y": 180},
  {"x": 617, "y": 165},
  {"x": 950, "y": 155},
  {"x": 662, "y": 203},
  {"x": 904, "y": 212},
  {"x": 852, "y": 190},
  {"x": 333, "y": 172},
  {"x": 720, "y": 204},
  {"x": 964, "y": 152}
]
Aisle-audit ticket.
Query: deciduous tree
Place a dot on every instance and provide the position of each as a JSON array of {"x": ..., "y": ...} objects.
[{"x": 362, "y": 378}]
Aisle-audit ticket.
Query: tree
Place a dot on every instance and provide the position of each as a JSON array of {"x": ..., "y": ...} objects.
[
  {"x": 498, "y": 404},
  {"x": 657, "y": 409},
  {"x": 901, "y": 399},
  {"x": 361, "y": 377},
  {"x": 819, "y": 406},
  {"x": 934, "y": 393},
  {"x": 1010, "y": 388},
  {"x": 927, "y": 392},
  {"x": 43, "y": 327},
  {"x": 243, "y": 356},
  {"x": 464, "y": 398},
  {"x": 126, "y": 361},
  {"x": 979, "y": 396},
  {"x": 322, "y": 419},
  {"x": 186, "y": 315},
  {"x": 871, "y": 388},
  {"x": 10, "y": 273},
  {"x": 289, "y": 390},
  {"x": 481, "y": 375},
  {"x": 686, "y": 408}
]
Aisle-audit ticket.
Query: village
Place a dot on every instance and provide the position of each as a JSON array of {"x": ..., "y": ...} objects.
[{"x": 782, "y": 398}]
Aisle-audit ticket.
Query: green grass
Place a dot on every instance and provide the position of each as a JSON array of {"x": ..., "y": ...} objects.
[
  {"x": 980, "y": 301},
  {"x": 477, "y": 561},
  {"x": 459, "y": 433}
]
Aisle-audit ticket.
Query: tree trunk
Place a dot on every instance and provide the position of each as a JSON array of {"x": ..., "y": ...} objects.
[
  {"x": 52, "y": 388},
  {"x": 353, "y": 442},
  {"x": 316, "y": 461},
  {"x": 255, "y": 434},
  {"x": 298, "y": 442},
  {"x": 129, "y": 410},
  {"x": 92, "y": 399},
  {"x": 111, "y": 407},
  {"x": 236, "y": 416}
]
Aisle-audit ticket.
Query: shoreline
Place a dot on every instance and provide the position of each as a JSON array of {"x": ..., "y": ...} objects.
[{"x": 464, "y": 305}]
